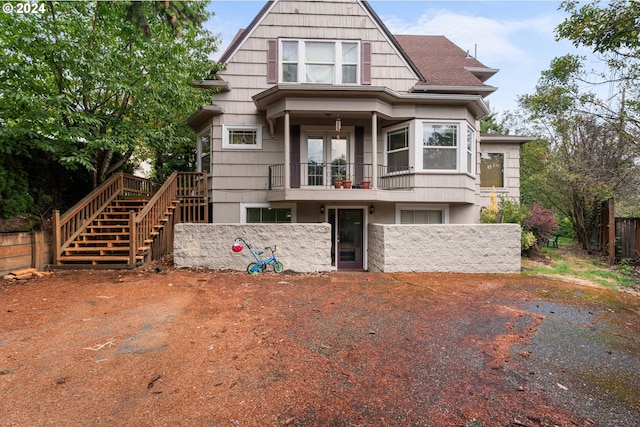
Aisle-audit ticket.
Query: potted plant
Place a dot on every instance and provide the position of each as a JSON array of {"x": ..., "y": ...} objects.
[
  {"x": 365, "y": 184},
  {"x": 346, "y": 183},
  {"x": 337, "y": 181}
]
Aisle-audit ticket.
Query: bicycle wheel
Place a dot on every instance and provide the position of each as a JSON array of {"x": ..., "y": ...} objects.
[
  {"x": 253, "y": 268},
  {"x": 278, "y": 267}
]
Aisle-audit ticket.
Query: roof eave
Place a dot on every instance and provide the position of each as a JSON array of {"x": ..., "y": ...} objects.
[
  {"x": 222, "y": 85},
  {"x": 203, "y": 114},
  {"x": 277, "y": 93},
  {"x": 482, "y": 73},
  {"x": 505, "y": 139},
  {"x": 483, "y": 90}
]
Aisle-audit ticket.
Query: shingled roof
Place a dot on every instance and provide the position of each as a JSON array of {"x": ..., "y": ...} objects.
[{"x": 442, "y": 63}]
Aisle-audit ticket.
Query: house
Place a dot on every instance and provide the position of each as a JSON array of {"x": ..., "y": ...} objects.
[{"x": 323, "y": 116}]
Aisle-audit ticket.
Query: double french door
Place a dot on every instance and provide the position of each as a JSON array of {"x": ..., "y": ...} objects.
[{"x": 327, "y": 158}]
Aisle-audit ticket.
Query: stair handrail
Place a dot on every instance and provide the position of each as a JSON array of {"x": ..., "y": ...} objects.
[
  {"x": 151, "y": 215},
  {"x": 68, "y": 226}
]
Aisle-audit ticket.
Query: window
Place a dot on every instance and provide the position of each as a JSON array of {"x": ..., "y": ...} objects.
[
  {"x": 268, "y": 215},
  {"x": 349, "y": 62},
  {"x": 440, "y": 146},
  {"x": 421, "y": 216},
  {"x": 469, "y": 151},
  {"x": 289, "y": 61},
  {"x": 491, "y": 170},
  {"x": 315, "y": 61},
  {"x": 205, "y": 153},
  {"x": 242, "y": 137},
  {"x": 398, "y": 150}
]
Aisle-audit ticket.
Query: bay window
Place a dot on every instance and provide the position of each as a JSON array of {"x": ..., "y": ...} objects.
[
  {"x": 470, "y": 144},
  {"x": 398, "y": 150},
  {"x": 440, "y": 146}
]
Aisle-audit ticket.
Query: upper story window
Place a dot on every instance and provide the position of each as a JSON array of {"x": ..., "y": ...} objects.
[
  {"x": 440, "y": 146},
  {"x": 242, "y": 136},
  {"x": 398, "y": 150},
  {"x": 447, "y": 147},
  {"x": 319, "y": 61}
]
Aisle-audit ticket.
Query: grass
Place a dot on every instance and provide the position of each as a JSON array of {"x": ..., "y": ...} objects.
[{"x": 564, "y": 262}]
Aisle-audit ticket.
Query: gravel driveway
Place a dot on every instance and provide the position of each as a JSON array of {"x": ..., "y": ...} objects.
[{"x": 201, "y": 348}]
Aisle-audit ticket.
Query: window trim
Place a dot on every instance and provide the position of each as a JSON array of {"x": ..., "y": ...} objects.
[
  {"x": 337, "y": 64},
  {"x": 444, "y": 208},
  {"x": 244, "y": 206},
  {"x": 225, "y": 137}
]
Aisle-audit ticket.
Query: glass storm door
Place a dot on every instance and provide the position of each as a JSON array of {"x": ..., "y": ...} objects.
[{"x": 347, "y": 238}]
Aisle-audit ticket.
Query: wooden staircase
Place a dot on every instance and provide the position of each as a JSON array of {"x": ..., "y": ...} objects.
[
  {"x": 124, "y": 223},
  {"x": 106, "y": 241}
]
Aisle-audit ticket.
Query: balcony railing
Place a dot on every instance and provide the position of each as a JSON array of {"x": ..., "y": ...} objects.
[
  {"x": 395, "y": 177},
  {"x": 321, "y": 175},
  {"x": 324, "y": 175}
]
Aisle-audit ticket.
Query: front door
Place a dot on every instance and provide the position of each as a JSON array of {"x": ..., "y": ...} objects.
[{"x": 347, "y": 238}]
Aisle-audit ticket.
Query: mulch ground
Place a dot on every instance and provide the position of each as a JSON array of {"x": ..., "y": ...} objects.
[{"x": 201, "y": 348}]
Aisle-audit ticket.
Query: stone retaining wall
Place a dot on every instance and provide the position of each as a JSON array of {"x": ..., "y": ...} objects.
[
  {"x": 472, "y": 248},
  {"x": 300, "y": 247}
]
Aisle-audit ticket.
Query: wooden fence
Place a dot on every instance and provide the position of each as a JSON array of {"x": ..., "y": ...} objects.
[
  {"x": 24, "y": 250},
  {"x": 627, "y": 238},
  {"x": 619, "y": 237}
]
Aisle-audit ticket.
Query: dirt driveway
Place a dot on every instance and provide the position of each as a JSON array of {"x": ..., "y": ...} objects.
[{"x": 195, "y": 348}]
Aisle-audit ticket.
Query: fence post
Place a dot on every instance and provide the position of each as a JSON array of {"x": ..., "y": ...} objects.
[
  {"x": 37, "y": 249},
  {"x": 55, "y": 241},
  {"x": 612, "y": 233},
  {"x": 133, "y": 246}
]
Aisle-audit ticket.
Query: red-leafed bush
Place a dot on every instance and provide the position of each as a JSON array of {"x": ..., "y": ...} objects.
[{"x": 541, "y": 222}]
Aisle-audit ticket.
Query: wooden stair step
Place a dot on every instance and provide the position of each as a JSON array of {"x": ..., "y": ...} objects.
[
  {"x": 99, "y": 250},
  {"x": 100, "y": 243},
  {"x": 97, "y": 259}
]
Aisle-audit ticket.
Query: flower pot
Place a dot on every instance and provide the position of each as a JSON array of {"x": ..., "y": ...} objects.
[
  {"x": 346, "y": 184},
  {"x": 337, "y": 184},
  {"x": 366, "y": 184}
]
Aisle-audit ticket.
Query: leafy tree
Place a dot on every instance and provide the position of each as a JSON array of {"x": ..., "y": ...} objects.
[
  {"x": 588, "y": 147},
  {"x": 584, "y": 159},
  {"x": 611, "y": 30},
  {"x": 88, "y": 84}
]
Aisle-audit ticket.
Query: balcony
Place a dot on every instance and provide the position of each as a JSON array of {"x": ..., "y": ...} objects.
[
  {"x": 316, "y": 182},
  {"x": 355, "y": 176}
]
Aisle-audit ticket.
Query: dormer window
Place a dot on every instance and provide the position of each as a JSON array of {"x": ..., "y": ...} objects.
[{"x": 319, "y": 61}]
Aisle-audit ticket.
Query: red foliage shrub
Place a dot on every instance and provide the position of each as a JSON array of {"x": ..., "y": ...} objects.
[{"x": 541, "y": 222}]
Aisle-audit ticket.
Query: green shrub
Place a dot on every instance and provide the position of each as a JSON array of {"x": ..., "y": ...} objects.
[{"x": 14, "y": 191}]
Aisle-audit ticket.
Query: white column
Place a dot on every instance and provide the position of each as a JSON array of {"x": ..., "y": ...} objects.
[
  {"x": 374, "y": 150},
  {"x": 287, "y": 151}
]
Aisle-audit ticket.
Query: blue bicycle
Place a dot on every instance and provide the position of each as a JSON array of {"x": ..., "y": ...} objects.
[{"x": 261, "y": 263}]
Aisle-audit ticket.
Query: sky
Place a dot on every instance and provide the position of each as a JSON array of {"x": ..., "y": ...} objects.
[{"x": 516, "y": 37}]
